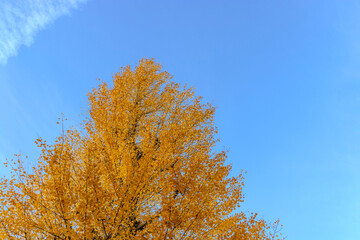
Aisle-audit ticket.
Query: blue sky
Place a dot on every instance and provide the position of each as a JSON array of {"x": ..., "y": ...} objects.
[{"x": 285, "y": 76}]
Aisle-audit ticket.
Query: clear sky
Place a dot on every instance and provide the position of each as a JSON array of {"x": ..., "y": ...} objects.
[{"x": 285, "y": 76}]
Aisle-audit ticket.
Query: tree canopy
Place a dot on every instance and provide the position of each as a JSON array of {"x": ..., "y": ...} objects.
[{"x": 142, "y": 166}]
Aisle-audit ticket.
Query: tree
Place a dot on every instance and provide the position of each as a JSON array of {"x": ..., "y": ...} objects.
[{"x": 142, "y": 166}]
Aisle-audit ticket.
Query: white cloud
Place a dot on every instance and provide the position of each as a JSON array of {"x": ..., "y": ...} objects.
[{"x": 20, "y": 20}]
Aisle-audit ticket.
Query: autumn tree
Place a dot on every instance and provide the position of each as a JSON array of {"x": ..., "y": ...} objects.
[{"x": 142, "y": 166}]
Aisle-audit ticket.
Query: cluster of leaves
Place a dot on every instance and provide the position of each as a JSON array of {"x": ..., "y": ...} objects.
[{"x": 142, "y": 167}]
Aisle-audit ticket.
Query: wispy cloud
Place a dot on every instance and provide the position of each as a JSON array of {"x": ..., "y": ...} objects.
[{"x": 21, "y": 20}]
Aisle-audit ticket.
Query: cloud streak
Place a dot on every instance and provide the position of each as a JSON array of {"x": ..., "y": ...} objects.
[{"x": 21, "y": 20}]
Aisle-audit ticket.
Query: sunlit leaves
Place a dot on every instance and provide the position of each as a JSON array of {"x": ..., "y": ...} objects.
[{"x": 142, "y": 166}]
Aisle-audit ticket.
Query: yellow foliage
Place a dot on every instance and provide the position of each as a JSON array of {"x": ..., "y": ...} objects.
[{"x": 142, "y": 166}]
